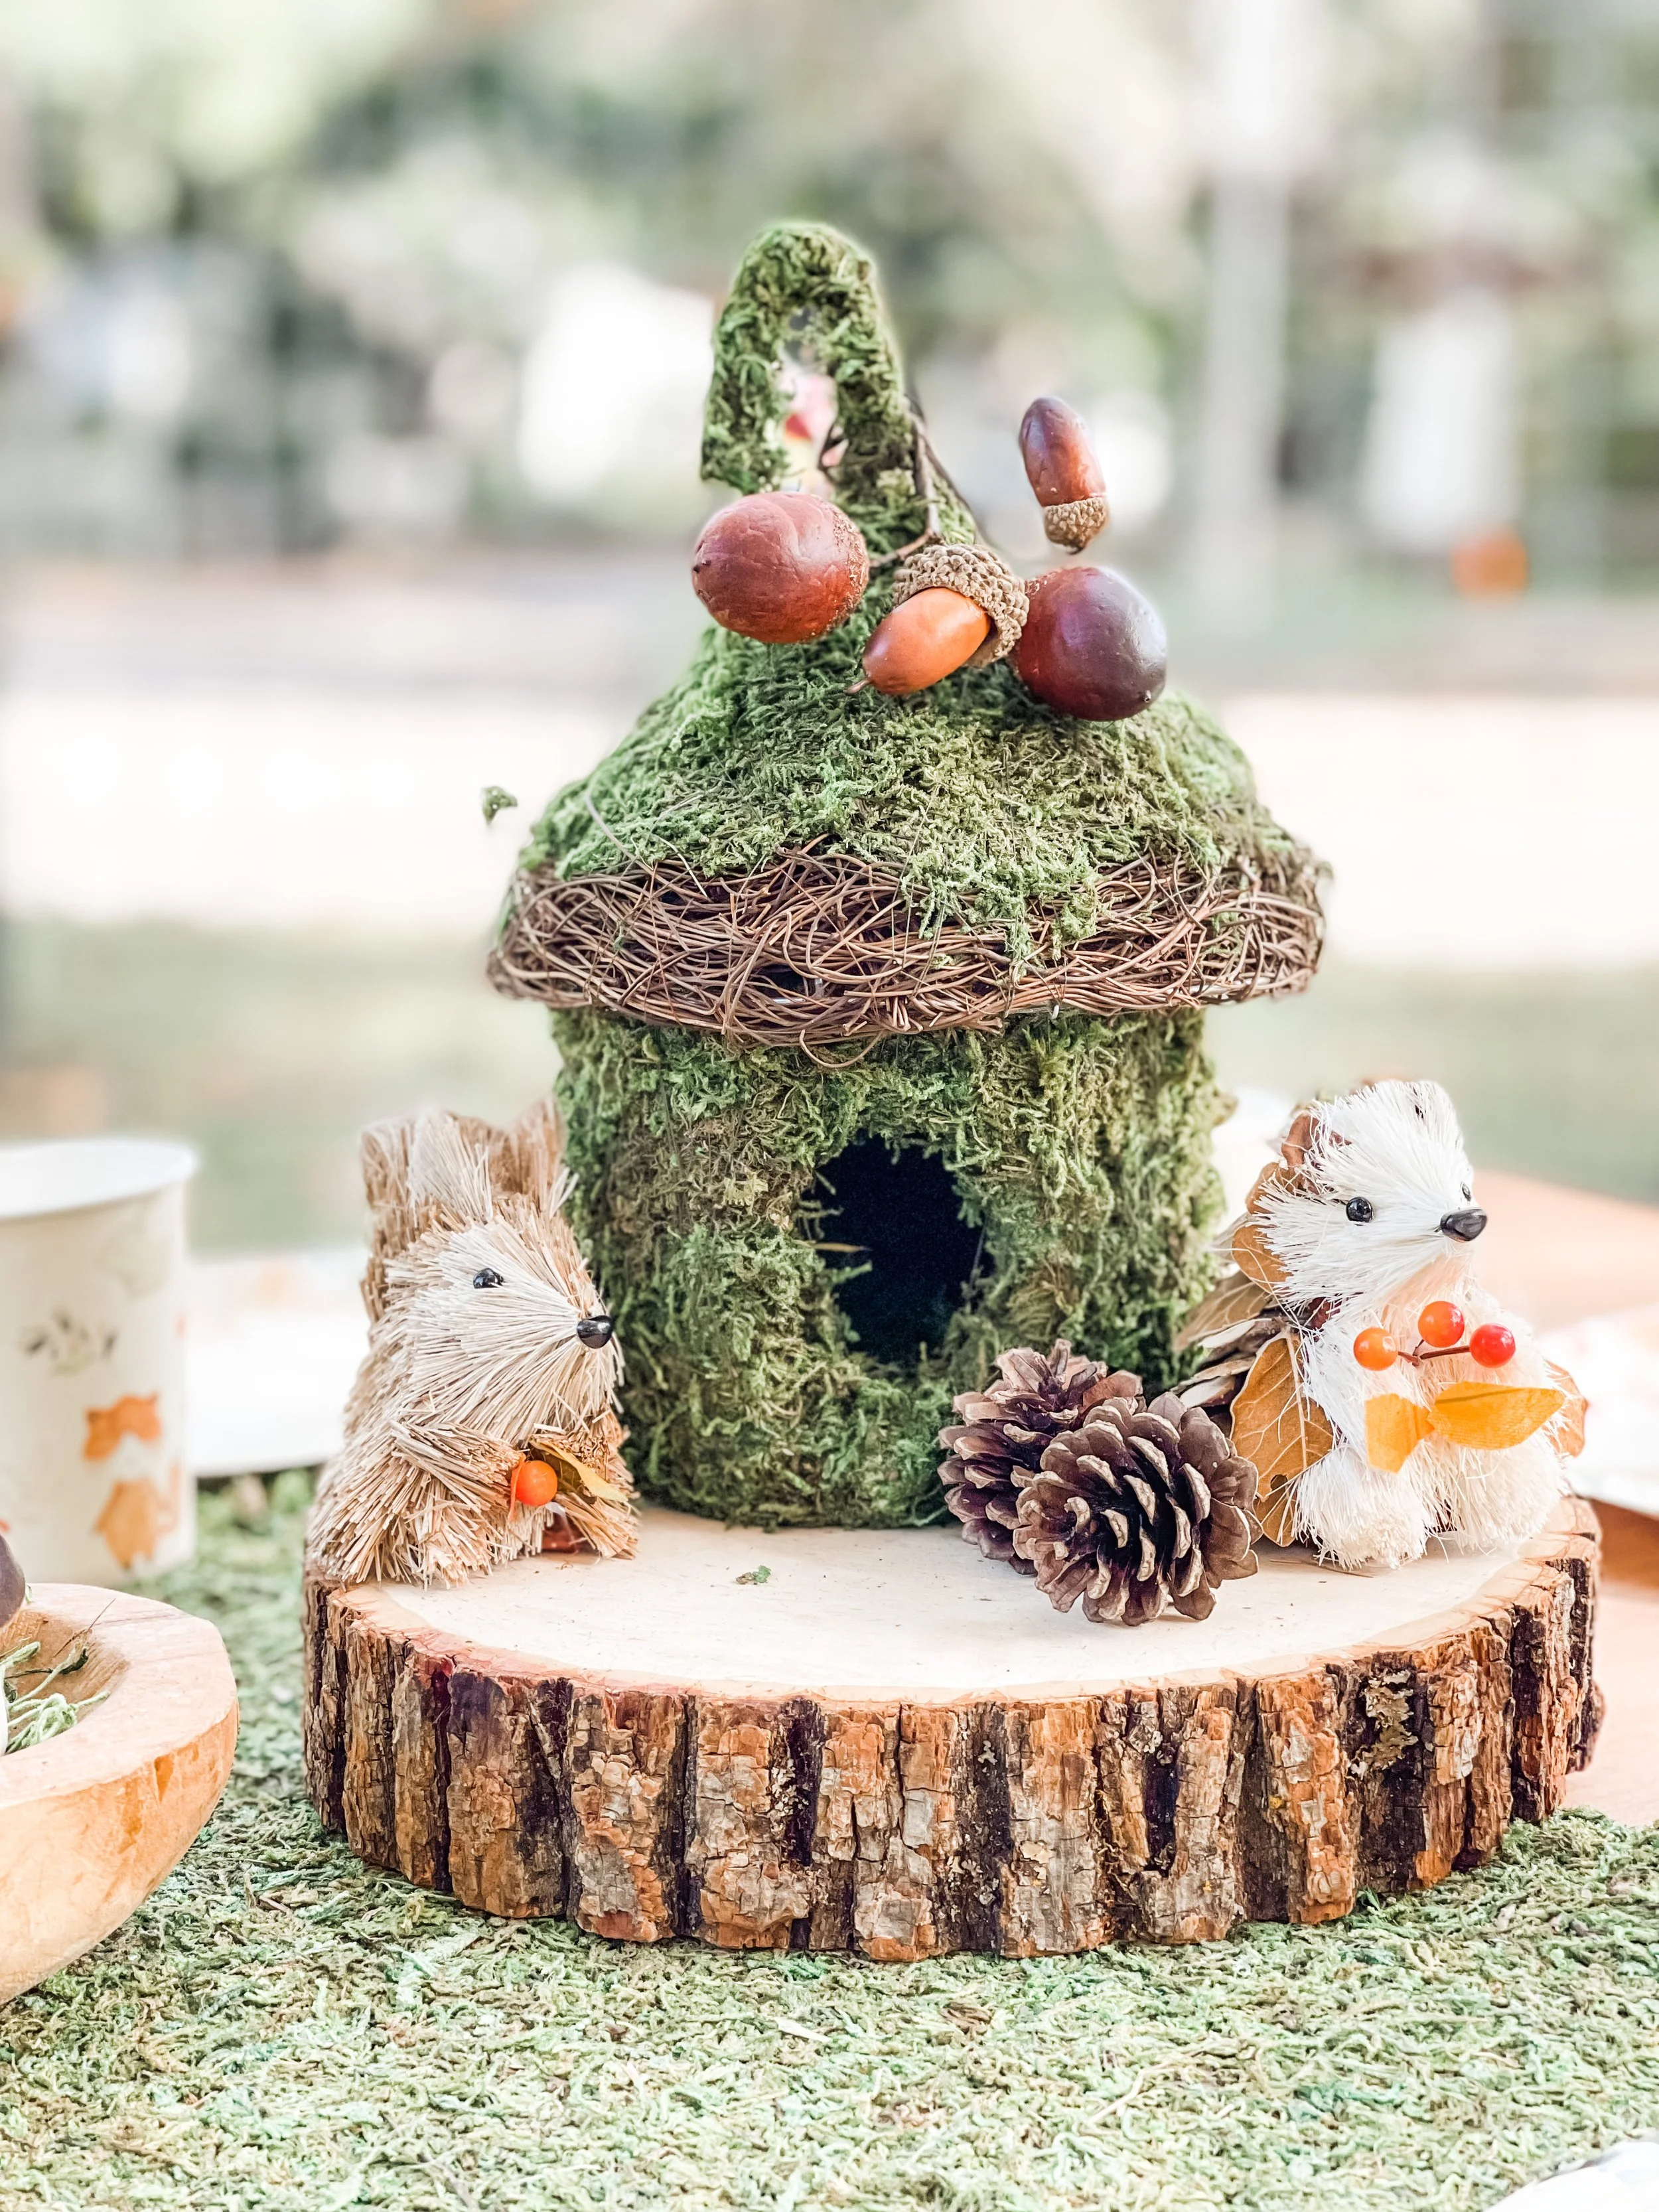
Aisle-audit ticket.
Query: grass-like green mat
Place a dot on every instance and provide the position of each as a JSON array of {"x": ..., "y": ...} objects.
[{"x": 281, "y": 2027}]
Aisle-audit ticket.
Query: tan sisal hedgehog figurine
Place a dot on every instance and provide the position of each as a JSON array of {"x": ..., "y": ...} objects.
[
  {"x": 1382, "y": 1394},
  {"x": 481, "y": 1425}
]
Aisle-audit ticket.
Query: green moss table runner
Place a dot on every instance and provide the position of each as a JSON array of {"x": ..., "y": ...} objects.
[{"x": 284, "y": 2029}]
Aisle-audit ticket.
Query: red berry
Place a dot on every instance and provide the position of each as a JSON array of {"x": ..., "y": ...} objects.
[
  {"x": 1092, "y": 646},
  {"x": 1375, "y": 1349},
  {"x": 1493, "y": 1345},
  {"x": 1441, "y": 1324},
  {"x": 534, "y": 1483}
]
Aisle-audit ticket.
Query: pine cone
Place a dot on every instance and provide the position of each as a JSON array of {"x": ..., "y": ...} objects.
[
  {"x": 1140, "y": 1503},
  {"x": 1006, "y": 1427}
]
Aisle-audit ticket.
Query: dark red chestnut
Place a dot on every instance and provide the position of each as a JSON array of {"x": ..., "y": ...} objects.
[
  {"x": 781, "y": 566},
  {"x": 1092, "y": 646}
]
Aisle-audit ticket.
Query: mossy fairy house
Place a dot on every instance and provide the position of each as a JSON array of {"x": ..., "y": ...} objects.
[{"x": 880, "y": 1018}]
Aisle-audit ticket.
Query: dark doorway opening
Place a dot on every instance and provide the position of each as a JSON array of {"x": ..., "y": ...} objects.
[{"x": 912, "y": 1255}]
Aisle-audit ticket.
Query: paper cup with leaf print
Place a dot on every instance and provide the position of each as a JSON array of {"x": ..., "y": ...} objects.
[{"x": 94, "y": 1485}]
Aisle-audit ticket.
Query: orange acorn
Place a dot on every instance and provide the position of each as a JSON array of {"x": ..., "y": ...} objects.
[
  {"x": 924, "y": 639},
  {"x": 781, "y": 566}
]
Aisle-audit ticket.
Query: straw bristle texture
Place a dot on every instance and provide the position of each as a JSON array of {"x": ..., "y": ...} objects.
[{"x": 475, "y": 1289}]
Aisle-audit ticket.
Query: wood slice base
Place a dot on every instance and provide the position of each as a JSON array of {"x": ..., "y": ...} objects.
[{"x": 892, "y": 1745}]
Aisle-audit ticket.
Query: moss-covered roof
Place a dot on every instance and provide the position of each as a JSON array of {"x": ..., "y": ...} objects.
[
  {"x": 990, "y": 809},
  {"x": 980, "y": 801}
]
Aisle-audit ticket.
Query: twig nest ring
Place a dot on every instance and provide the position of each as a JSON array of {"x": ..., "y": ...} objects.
[
  {"x": 978, "y": 575},
  {"x": 1074, "y": 522}
]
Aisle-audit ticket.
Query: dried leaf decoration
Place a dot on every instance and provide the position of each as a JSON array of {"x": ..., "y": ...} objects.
[
  {"x": 1251, "y": 1253},
  {"x": 1298, "y": 1141},
  {"x": 596, "y": 1503},
  {"x": 1492, "y": 1416},
  {"x": 1235, "y": 1298},
  {"x": 1275, "y": 1510},
  {"x": 1281, "y": 1431},
  {"x": 1569, "y": 1434},
  {"x": 1274, "y": 1176},
  {"x": 1394, "y": 1427}
]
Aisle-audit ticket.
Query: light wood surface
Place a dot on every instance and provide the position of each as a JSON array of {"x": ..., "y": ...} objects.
[
  {"x": 891, "y": 1745},
  {"x": 93, "y": 1819},
  {"x": 1556, "y": 1255},
  {"x": 1624, "y": 1778},
  {"x": 909, "y": 1614}
]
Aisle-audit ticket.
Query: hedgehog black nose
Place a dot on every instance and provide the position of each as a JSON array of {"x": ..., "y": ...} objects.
[
  {"x": 1465, "y": 1226},
  {"x": 597, "y": 1330}
]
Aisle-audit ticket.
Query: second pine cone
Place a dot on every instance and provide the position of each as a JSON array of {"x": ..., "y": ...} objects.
[{"x": 1139, "y": 1503}]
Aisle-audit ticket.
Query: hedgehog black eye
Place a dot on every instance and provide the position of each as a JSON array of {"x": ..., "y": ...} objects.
[
  {"x": 1361, "y": 1209},
  {"x": 1468, "y": 1192},
  {"x": 487, "y": 1279}
]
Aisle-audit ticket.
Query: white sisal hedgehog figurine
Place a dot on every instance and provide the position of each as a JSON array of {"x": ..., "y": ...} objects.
[
  {"x": 481, "y": 1425},
  {"x": 1383, "y": 1394}
]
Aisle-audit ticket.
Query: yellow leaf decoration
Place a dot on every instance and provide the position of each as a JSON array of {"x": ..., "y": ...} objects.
[
  {"x": 1282, "y": 1432},
  {"x": 1492, "y": 1416},
  {"x": 1251, "y": 1253},
  {"x": 1394, "y": 1427},
  {"x": 1483, "y": 1416},
  {"x": 1569, "y": 1434}
]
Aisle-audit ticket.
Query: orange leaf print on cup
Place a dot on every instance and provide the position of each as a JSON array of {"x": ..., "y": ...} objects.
[
  {"x": 127, "y": 1417},
  {"x": 135, "y": 1516}
]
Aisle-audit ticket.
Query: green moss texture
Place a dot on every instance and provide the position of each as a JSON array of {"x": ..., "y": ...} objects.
[
  {"x": 980, "y": 802},
  {"x": 803, "y": 288},
  {"x": 283, "y": 2029},
  {"x": 1079, "y": 1148}
]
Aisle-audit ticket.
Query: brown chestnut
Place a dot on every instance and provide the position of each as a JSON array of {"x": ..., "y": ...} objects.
[
  {"x": 1058, "y": 456},
  {"x": 924, "y": 639},
  {"x": 1092, "y": 646},
  {"x": 781, "y": 566}
]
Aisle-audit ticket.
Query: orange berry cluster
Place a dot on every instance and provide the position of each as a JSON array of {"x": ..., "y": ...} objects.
[{"x": 1439, "y": 1325}]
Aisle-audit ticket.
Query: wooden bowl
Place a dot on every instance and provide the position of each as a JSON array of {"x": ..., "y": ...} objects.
[{"x": 92, "y": 1821}]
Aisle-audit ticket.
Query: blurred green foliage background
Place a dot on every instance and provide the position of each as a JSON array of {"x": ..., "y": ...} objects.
[{"x": 395, "y": 313}]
